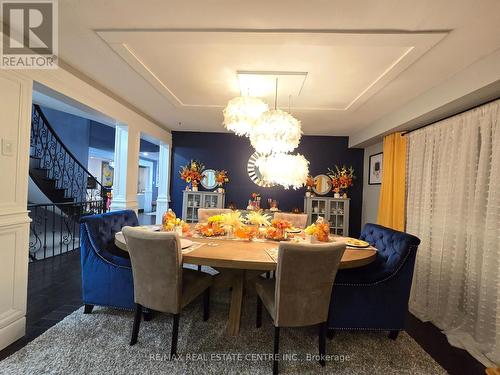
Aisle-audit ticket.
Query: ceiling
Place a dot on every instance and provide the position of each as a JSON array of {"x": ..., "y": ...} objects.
[{"x": 341, "y": 65}]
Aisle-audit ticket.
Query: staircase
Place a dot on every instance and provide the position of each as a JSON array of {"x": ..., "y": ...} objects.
[
  {"x": 65, "y": 182},
  {"x": 55, "y": 170}
]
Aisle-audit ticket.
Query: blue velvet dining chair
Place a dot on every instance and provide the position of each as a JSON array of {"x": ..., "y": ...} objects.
[
  {"x": 375, "y": 297},
  {"x": 106, "y": 269}
]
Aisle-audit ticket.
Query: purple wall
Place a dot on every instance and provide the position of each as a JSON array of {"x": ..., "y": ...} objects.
[{"x": 230, "y": 152}]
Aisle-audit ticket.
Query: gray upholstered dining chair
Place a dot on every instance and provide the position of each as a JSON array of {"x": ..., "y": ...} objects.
[
  {"x": 160, "y": 281},
  {"x": 300, "y": 296},
  {"x": 297, "y": 220},
  {"x": 205, "y": 213}
]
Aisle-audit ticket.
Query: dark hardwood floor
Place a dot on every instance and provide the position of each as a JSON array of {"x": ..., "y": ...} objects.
[{"x": 54, "y": 291}]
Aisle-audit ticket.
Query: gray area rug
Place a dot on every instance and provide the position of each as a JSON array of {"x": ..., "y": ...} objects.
[{"x": 98, "y": 344}]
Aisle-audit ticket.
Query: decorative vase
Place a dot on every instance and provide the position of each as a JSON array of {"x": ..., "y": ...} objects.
[
  {"x": 308, "y": 194},
  {"x": 220, "y": 190},
  {"x": 311, "y": 238},
  {"x": 195, "y": 187},
  {"x": 336, "y": 195},
  {"x": 344, "y": 196}
]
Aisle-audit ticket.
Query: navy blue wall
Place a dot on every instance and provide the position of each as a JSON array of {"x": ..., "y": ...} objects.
[
  {"x": 230, "y": 152},
  {"x": 102, "y": 136},
  {"x": 74, "y": 132}
]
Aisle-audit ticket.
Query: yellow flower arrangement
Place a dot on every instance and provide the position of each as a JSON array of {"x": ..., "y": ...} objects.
[
  {"x": 259, "y": 218},
  {"x": 216, "y": 218},
  {"x": 232, "y": 219}
]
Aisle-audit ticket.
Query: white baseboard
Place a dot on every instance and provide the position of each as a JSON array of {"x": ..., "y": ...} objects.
[{"x": 12, "y": 332}]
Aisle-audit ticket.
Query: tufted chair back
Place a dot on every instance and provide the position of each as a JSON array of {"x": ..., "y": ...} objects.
[
  {"x": 393, "y": 248},
  {"x": 101, "y": 230}
]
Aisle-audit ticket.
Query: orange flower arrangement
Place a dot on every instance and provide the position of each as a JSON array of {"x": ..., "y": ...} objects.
[
  {"x": 320, "y": 230},
  {"x": 210, "y": 229},
  {"x": 281, "y": 224},
  {"x": 191, "y": 173},
  {"x": 342, "y": 178},
  {"x": 310, "y": 182},
  {"x": 277, "y": 229},
  {"x": 221, "y": 177},
  {"x": 246, "y": 232}
]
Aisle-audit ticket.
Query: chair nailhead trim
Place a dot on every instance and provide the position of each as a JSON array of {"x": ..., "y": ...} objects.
[{"x": 412, "y": 247}]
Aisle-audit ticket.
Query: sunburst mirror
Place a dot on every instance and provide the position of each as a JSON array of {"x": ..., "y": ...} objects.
[{"x": 254, "y": 173}]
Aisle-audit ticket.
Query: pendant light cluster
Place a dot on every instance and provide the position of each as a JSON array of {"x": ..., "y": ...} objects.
[{"x": 274, "y": 134}]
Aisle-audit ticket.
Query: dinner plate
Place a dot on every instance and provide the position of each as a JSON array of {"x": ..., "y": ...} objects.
[
  {"x": 186, "y": 243},
  {"x": 353, "y": 242}
]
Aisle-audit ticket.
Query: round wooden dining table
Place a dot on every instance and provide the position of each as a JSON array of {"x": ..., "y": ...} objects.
[{"x": 239, "y": 262}]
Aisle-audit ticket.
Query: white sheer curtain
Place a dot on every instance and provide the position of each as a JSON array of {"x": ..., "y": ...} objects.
[{"x": 453, "y": 206}]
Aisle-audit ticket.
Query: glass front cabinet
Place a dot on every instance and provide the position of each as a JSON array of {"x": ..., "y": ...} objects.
[
  {"x": 333, "y": 210},
  {"x": 193, "y": 200}
]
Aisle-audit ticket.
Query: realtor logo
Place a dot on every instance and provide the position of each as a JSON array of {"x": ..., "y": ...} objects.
[{"x": 29, "y": 39}]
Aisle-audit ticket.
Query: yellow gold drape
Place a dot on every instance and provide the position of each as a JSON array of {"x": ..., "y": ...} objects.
[{"x": 391, "y": 209}]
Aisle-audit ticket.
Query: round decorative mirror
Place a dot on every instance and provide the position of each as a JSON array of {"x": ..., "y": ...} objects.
[
  {"x": 208, "y": 179},
  {"x": 322, "y": 184},
  {"x": 254, "y": 173}
]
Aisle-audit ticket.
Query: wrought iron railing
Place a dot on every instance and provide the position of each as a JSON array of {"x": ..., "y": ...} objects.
[
  {"x": 61, "y": 165},
  {"x": 55, "y": 227}
]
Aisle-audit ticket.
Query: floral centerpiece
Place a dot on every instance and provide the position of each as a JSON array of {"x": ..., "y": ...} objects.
[
  {"x": 191, "y": 173},
  {"x": 210, "y": 229},
  {"x": 221, "y": 177},
  {"x": 318, "y": 231},
  {"x": 342, "y": 179},
  {"x": 258, "y": 218},
  {"x": 170, "y": 223},
  {"x": 277, "y": 230},
  {"x": 309, "y": 185},
  {"x": 246, "y": 232}
]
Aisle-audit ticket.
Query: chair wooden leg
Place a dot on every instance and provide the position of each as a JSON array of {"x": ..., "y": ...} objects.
[
  {"x": 276, "y": 350},
  {"x": 393, "y": 335},
  {"x": 137, "y": 322},
  {"x": 175, "y": 335},
  {"x": 330, "y": 333},
  {"x": 322, "y": 343},
  {"x": 87, "y": 309},
  {"x": 258, "y": 319},
  {"x": 206, "y": 304}
]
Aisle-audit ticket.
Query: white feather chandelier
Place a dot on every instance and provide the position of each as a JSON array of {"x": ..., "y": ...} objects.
[
  {"x": 284, "y": 169},
  {"x": 276, "y": 131},
  {"x": 241, "y": 114}
]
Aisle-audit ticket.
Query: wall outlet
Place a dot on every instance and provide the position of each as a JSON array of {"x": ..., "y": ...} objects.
[{"x": 7, "y": 147}]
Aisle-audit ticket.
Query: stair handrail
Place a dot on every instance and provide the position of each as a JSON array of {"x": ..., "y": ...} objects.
[{"x": 49, "y": 127}]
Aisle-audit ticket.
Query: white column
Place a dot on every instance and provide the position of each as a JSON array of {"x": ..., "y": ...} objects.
[
  {"x": 164, "y": 181},
  {"x": 126, "y": 168},
  {"x": 15, "y": 109}
]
